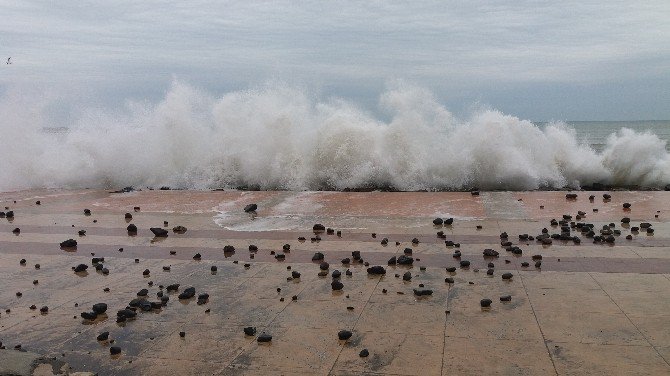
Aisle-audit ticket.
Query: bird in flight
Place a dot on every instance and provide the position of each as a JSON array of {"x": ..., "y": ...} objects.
[{"x": 9, "y": 60}]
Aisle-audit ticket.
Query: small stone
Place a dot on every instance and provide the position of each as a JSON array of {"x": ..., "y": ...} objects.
[
  {"x": 159, "y": 232},
  {"x": 485, "y": 303},
  {"x": 337, "y": 285},
  {"x": 264, "y": 338},
  {"x": 182, "y": 334},
  {"x": 344, "y": 335},
  {"x": 70, "y": 243},
  {"x": 507, "y": 276},
  {"x": 506, "y": 298},
  {"x": 364, "y": 353},
  {"x": 250, "y": 331},
  {"x": 250, "y": 208},
  {"x": 104, "y": 336},
  {"x": 115, "y": 350}
]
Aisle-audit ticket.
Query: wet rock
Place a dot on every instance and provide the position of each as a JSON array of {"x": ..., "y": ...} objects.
[
  {"x": 188, "y": 293},
  {"x": 100, "y": 308},
  {"x": 344, "y": 335},
  {"x": 179, "y": 229},
  {"x": 70, "y": 243},
  {"x": 264, "y": 338},
  {"x": 423, "y": 292},
  {"x": 159, "y": 232},
  {"x": 490, "y": 253},
  {"x": 250, "y": 331},
  {"x": 405, "y": 260},
  {"x": 376, "y": 270},
  {"x": 485, "y": 303},
  {"x": 80, "y": 268},
  {"x": 250, "y": 208}
]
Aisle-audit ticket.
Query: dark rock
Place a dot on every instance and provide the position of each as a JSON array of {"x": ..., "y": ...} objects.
[
  {"x": 376, "y": 270},
  {"x": 448, "y": 221},
  {"x": 392, "y": 261},
  {"x": 423, "y": 292},
  {"x": 337, "y": 285},
  {"x": 485, "y": 303},
  {"x": 16, "y": 231},
  {"x": 173, "y": 287},
  {"x": 344, "y": 335},
  {"x": 264, "y": 338},
  {"x": 506, "y": 298},
  {"x": 336, "y": 274},
  {"x": 438, "y": 221},
  {"x": 44, "y": 309},
  {"x": 80, "y": 268},
  {"x": 324, "y": 266},
  {"x": 451, "y": 269},
  {"x": 115, "y": 350},
  {"x": 250, "y": 331},
  {"x": 104, "y": 336},
  {"x": 87, "y": 212},
  {"x": 507, "y": 276},
  {"x": 407, "y": 276},
  {"x": 364, "y": 353},
  {"x": 70, "y": 243},
  {"x": 250, "y": 208},
  {"x": 465, "y": 263},
  {"x": 159, "y": 232},
  {"x": 179, "y": 229},
  {"x": 197, "y": 256},
  {"x": 490, "y": 253},
  {"x": 188, "y": 293},
  {"x": 318, "y": 256},
  {"x": 405, "y": 260},
  {"x": 318, "y": 227},
  {"x": 100, "y": 308}
]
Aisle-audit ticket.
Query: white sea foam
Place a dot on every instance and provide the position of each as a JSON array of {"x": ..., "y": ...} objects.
[{"x": 281, "y": 138}]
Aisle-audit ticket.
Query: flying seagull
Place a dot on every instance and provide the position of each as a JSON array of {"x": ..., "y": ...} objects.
[{"x": 9, "y": 60}]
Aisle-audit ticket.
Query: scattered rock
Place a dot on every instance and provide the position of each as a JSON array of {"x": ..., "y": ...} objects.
[
  {"x": 250, "y": 208},
  {"x": 159, "y": 232},
  {"x": 344, "y": 335}
]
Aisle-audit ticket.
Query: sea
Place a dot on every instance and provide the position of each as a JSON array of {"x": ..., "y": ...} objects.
[{"x": 281, "y": 138}]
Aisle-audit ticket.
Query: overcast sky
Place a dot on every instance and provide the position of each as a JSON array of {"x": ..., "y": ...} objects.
[{"x": 539, "y": 60}]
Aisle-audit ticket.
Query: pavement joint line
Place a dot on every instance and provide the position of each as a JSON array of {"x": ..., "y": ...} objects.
[
  {"x": 356, "y": 323},
  {"x": 544, "y": 338},
  {"x": 265, "y": 326},
  {"x": 629, "y": 320}
]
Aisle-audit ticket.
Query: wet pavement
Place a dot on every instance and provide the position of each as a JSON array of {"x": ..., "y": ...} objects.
[{"x": 587, "y": 309}]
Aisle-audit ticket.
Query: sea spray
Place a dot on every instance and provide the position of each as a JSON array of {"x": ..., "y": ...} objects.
[{"x": 279, "y": 137}]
